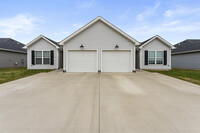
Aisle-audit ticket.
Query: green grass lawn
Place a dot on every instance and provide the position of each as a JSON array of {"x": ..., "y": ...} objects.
[
  {"x": 192, "y": 76},
  {"x": 9, "y": 74}
]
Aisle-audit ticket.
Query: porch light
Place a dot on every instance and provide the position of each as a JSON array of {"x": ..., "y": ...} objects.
[
  {"x": 116, "y": 46},
  {"x": 81, "y": 46}
]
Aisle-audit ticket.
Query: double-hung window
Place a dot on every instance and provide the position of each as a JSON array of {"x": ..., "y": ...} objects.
[
  {"x": 159, "y": 57},
  {"x": 46, "y": 57},
  {"x": 42, "y": 57},
  {"x": 38, "y": 57},
  {"x": 151, "y": 57}
]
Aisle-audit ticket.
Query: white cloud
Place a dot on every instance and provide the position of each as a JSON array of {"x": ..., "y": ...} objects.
[
  {"x": 176, "y": 27},
  {"x": 77, "y": 25},
  {"x": 157, "y": 4},
  {"x": 140, "y": 17},
  {"x": 172, "y": 23},
  {"x": 150, "y": 11},
  {"x": 86, "y": 4},
  {"x": 61, "y": 33},
  {"x": 19, "y": 23},
  {"x": 126, "y": 14},
  {"x": 168, "y": 13},
  {"x": 181, "y": 11}
]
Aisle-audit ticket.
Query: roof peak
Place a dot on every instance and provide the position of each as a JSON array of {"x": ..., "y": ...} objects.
[{"x": 99, "y": 18}]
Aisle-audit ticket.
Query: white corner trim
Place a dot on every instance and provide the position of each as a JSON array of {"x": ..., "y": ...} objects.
[
  {"x": 161, "y": 39},
  {"x": 36, "y": 39},
  {"x": 94, "y": 21}
]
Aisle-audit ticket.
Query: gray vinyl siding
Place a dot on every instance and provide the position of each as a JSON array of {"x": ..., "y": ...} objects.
[
  {"x": 98, "y": 37},
  {"x": 155, "y": 45},
  {"x": 186, "y": 61},
  {"x": 9, "y": 59},
  {"x": 43, "y": 45}
]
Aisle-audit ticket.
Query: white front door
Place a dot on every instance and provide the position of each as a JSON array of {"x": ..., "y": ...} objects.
[
  {"x": 82, "y": 61},
  {"x": 116, "y": 61}
]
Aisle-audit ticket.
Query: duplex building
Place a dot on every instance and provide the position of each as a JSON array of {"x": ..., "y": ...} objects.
[{"x": 99, "y": 46}]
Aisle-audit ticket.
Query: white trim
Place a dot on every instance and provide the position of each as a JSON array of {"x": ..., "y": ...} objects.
[
  {"x": 58, "y": 58},
  {"x": 9, "y": 50},
  {"x": 67, "y": 58},
  {"x": 161, "y": 39},
  {"x": 186, "y": 52},
  {"x": 36, "y": 39},
  {"x": 43, "y": 58},
  {"x": 118, "y": 50},
  {"x": 46, "y": 58},
  {"x": 94, "y": 21},
  {"x": 156, "y": 57},
  {"x": 133, "y": 61}
]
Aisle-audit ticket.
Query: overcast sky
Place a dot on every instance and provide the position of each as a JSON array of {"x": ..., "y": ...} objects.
[{"x": 174, "y": 20}]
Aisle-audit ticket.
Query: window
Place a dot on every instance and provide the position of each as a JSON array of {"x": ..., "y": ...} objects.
[
  {"x": 151, "y": 57},
  {"x": 46, "y": 57},
  {"x": 159, "y": 57},
  {"x": 38, "y": 57}
]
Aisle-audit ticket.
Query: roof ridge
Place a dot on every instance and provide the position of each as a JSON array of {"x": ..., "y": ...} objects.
[
  {"x": 57, "y": 43},
  {"x": 187, "y": 45},
  {"x": 11, "y": 44}
]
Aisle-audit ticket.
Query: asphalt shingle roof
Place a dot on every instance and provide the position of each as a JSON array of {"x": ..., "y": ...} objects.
[
  {"x": 142, "y": 43},
  {"x": 187, "y": 45},
  {"x": 56, "y": 43},
  {"x": 10, "y": 44}
]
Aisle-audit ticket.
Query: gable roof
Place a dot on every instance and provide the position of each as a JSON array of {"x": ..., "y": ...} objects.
[
  {"x": 189, "y": 45},
  {"x": 9, "y": 44},
  {"x": 105, "y": 22},
  {"x": 42, "y": 37},
  {"x": 142, "y": 44}
]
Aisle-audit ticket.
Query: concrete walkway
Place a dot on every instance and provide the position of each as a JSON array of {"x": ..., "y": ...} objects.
[{"x": 139, "y": 102}]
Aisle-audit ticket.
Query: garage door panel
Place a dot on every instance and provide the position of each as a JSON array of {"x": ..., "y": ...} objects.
[
  {"x": 82, "y": 61},
  {"x": 116, "y": 60}
]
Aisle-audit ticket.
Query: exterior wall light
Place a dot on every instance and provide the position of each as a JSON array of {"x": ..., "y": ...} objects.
[
  {"x": 116, "y": 46},
  {"x": 81, "y": 46}
]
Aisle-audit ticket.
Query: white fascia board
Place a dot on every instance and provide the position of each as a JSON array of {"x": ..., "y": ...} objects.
[
  {"x": 94, "y": 21},
  {"x": 36, "y": 39},
  {"x": 185, "y": 52},
  {"x": 12, "y": 50},
  {"x": 161, "y": 39}
]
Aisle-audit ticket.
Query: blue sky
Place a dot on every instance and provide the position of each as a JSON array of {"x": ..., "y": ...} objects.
[{"x": 174, "y": 20}]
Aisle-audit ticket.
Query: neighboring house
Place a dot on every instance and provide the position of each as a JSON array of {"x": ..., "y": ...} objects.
[
  {"x": 99, "y": 46},
  {"x": 43, "y": 53},
  {"x": 187, "y": 54},
  {"x": 154, "y": 53},
  {"x": 11, "y": 53}
]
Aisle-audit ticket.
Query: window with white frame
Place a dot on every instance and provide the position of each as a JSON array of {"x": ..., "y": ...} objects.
[
  {"x": 38, "y": 57},
  {"x": 151, "y": 57},
  {"x": 46, "y": 57},
  {"x": 159, "y": 57}
]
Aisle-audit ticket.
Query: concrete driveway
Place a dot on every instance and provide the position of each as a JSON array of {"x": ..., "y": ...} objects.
[{"x": 140, "y": 102}]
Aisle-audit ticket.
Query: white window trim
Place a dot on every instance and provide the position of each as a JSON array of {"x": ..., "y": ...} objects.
[
  {"x": 40, "y": 57},
  {"x": 156, "y": 57},
  {"x": 46, "y": 57},
  {"x": 160, "y": 58},
  {"x": 43, "y": 57}
]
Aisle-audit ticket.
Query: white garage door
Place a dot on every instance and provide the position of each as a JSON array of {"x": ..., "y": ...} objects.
[
  {"x": 116, "y": 61},
  {"x": 82, "y": 61}
]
